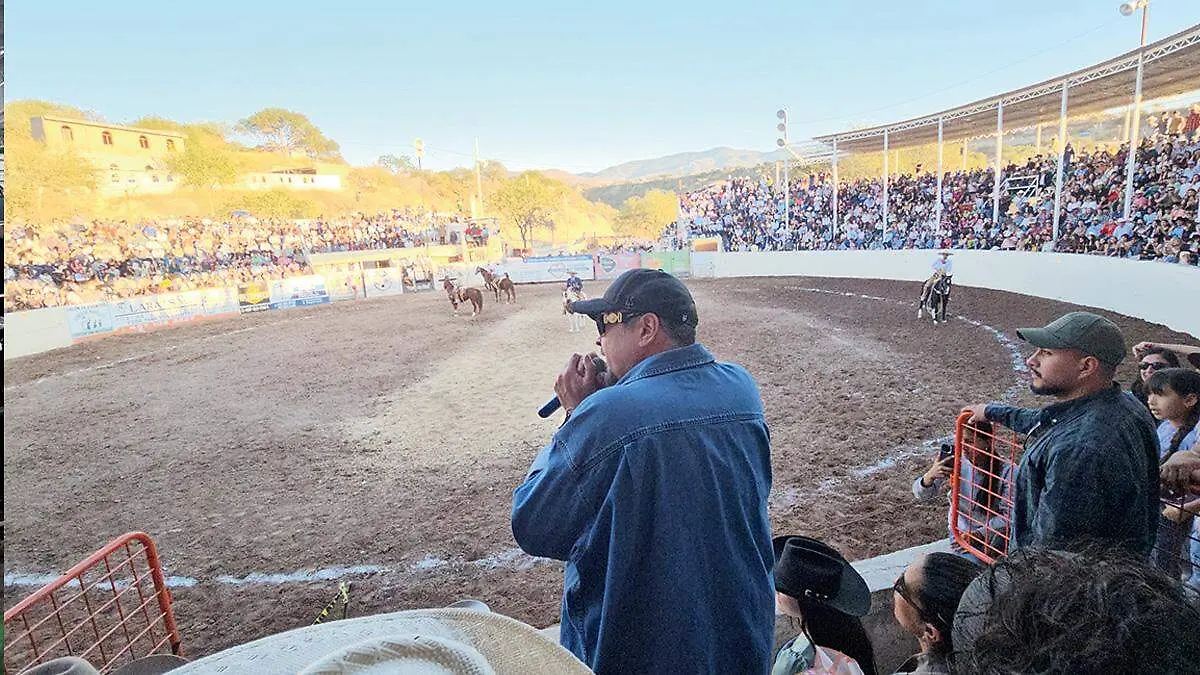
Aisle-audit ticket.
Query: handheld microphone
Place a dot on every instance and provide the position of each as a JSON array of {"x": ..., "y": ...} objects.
[{"x": 554, "y": 404}]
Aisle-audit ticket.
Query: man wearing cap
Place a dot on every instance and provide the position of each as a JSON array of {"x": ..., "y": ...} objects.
[
  {"x": 1090, "y": 468},
  {"x": 942, "y": 267},
  {"x": 654, "y": 492}
]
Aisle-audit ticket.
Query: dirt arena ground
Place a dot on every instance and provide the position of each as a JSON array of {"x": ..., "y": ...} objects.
[{"x": 386, "y": 436}]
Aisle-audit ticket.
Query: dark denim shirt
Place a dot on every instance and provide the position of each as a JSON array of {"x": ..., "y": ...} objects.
[
  {"x": 654, "y": 492},
  {"x": 1090, "y": 471}
]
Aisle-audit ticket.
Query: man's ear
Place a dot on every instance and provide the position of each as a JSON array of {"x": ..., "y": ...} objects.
[{"x": 649, "y": 326}]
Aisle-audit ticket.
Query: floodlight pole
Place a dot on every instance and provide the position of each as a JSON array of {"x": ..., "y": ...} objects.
[
  {"x": 937, "y": 213},
  {"x": 1062, "y": 153},
  {"x": 996, "y": 181},
  {"x": 885, "y": 179},
  {"x": 835, "y": 185},
  {"x": 1131, "y": 160}
]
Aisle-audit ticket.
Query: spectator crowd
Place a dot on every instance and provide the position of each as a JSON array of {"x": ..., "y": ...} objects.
[
  {"x": 747, "y": 213},
  {"x": 69, "y": 263}
]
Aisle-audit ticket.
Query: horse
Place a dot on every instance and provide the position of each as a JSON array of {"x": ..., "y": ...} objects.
[
  {"x": 458, "y": 295},
  {"x": 489, "y": 281},
  {"x": 574, "y": 321},
  {"x": 508, "y": 288},
  {"x": 938, "y": 300}
]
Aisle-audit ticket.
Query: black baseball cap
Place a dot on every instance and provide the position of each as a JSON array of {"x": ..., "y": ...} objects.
[{"x": 644, "y": 291}]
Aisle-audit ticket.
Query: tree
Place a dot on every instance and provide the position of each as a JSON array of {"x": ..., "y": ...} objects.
[
  {"x": 204, "y": 164},
  {"x": 285, "y": 131},
  {"x": 528, "y": 202},
  {"x": 645, "y": 217},
  {"x": 395, "y": 164},
  {"x": 36, "y": 173}
]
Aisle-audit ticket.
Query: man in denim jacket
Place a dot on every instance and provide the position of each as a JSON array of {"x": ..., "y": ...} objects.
[
  {"x": 1090, "y": 468},
  {"x": 654, "y": 492}
]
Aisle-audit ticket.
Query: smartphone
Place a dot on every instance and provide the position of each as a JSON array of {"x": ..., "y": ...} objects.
[{"x": 946, "y": 451}]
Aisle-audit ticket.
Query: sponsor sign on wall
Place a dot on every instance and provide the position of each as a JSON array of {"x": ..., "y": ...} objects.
[
  {"x": 299, "y": 292},
  {"x": 678, "y": 263},
  {"x": 254, "y": 296},
  {"x": 382, "y": 281},
  {"x": 86, "y": 320},
  {"x": 554, "y": 268},
  {"x": 612, "y": 265}
]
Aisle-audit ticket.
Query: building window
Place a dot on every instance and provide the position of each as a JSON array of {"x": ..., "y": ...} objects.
[
  {"x": 144, "y": 142},
  {"x": 170, "y": 145},
  {"x": 106, "y": 138},
  {"x": 113, "y": 168},
  {"x": 67, "y": 134},
  {"x": 154, "y": 177},
  {"x": 149, "y": 168},
  {"x": 170, "y": 178}
]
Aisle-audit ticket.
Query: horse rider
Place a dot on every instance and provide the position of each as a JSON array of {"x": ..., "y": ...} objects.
[
  {"x": 942, "y": 267},
  {"x": 574, "y": 283},
  {"x": 573, "y": 292}
]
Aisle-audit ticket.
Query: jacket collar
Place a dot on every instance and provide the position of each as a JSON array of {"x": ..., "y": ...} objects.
[
  {"x": 1057, "y": 411},
  {"x": 680, "y": 358}
]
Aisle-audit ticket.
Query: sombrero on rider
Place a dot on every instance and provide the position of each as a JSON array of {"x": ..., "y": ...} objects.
[
  {"x": 813, "y": 570},
  {"x": 642, "y": 291}
]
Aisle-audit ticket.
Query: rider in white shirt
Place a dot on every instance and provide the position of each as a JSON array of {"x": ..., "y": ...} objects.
[{"x": 942, "y": 267}]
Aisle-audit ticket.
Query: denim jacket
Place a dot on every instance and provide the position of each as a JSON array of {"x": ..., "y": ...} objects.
[
  {"x": 1090, "y": 470},
  {"x": 654, "y": 492}
]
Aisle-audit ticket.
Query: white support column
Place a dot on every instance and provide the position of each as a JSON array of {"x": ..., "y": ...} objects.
[
  {"x": 996, "y": 172},
  {"x": 1131, "y": 164},
  {"x": 885, "y": 178},
  {"x": 835, "y": 186},
  {"x": 937, "y": 213},
  {"x": 1062, "y": 151}
]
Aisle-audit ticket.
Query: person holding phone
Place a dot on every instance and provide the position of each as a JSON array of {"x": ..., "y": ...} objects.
[{"x": 984, "y": 479}]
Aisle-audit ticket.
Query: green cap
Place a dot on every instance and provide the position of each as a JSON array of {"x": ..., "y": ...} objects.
[{"x": 1090, "y": 333}]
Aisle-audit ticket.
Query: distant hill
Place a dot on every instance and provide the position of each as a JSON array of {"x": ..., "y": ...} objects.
[
  {"x": 615, "y": 194},
  {"x": 682, "y": 164}
]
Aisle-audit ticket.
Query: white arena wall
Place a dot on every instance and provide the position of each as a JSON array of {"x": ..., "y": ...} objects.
[{"x": 1154, "y": 291}]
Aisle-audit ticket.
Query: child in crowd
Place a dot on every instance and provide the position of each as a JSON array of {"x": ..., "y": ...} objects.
[{"x": 1174, "y": 398}]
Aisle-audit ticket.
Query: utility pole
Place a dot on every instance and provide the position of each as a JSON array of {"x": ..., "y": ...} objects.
[{"x": 419, "y": 147}]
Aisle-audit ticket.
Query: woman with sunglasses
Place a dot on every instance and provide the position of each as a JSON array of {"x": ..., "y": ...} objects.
[
  {"x": 924, "y": 600},
  {"x": 1150, "y": 362}
]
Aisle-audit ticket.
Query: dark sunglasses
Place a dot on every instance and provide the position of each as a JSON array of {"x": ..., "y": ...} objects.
[
  {"x": 612, "y": 319},
  {"x": 1155, "y": 365}
]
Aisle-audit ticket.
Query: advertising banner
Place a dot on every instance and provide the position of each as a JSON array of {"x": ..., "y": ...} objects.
[
  {"x": 219, "y": 301},
  {"x": 382, "y": 281},
  {"x": 86, "y": 320},
  {"x": 344, "y": 282},
  {"x": 612, "y": 265},
  {"x": 678, "y": 263},
  {"x": 254, "y": 296},
  {"x": 157, "y": 310},
  {"x": 299, "y": 292},
  {"x": 553, "y": 268}
]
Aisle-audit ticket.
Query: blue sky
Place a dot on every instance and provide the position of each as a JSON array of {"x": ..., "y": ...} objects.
[{"x": 572, "y": 85}]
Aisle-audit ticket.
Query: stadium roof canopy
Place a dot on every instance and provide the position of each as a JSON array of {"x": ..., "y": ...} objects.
[{"x": 1171, "y": 67}]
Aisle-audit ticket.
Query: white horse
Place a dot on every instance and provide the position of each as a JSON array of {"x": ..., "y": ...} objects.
[{"x": 574, "y": 321}]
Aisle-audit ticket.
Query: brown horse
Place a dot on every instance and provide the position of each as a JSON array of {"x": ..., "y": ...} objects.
[
  {"x": 508, "y": 288},
  {"x": 489, "y": 281},
  {"x": 462, "y": 295}
]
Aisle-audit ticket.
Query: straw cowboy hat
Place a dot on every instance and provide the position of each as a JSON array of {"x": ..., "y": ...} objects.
[
  {"x": 811, "y": 569},
  {"x": 453, "y": 640}
]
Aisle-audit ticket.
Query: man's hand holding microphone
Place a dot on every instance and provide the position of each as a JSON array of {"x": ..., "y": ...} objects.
[{"x": 583, "y": 375}]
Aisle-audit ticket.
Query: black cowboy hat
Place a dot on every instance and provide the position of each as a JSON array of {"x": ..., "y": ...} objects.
[{"x": 812, "y": 569}]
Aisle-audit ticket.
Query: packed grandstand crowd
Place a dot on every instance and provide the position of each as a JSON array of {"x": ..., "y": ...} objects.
[
  {"x": 747, "y": 212},
  {"x": 71, "y": 263}
]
